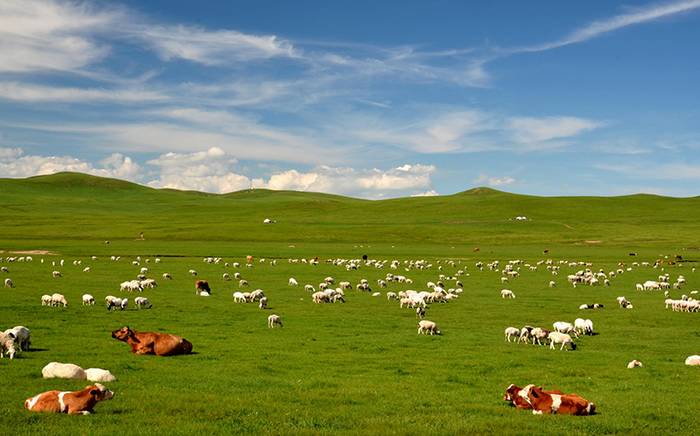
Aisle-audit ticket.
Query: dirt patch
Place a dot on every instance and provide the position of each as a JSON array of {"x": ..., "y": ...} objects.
[{"x": 35, "y": 252}]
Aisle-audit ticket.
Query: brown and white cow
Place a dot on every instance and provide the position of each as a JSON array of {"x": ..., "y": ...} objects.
[
  {"x": 73, "y": 403},
  {"x": 516, "y": 400},
  {"x": 564, "y": 404},
  {"x": 161, "y": 344}
]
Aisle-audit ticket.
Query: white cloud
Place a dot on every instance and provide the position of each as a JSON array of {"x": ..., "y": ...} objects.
[
  {"x": 600, "y": 27},
  {"x": 211, "y": 47},
  {"x": 26, "y": 92},
  {"x": 495, "y": 181},
  {"x": 40, "y": 35},
  {"x": 530, "y": 129},
  {"x": 429, "y": 193}
]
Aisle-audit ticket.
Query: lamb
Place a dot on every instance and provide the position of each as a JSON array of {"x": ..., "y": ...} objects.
[
  {"x": 560, "y": 338},
  {"x": 507, "y": 293},
  {"x": 274, "y": 321},
  {"x": 7, "y": 345},
  {"x": 9, "y": 283},
  {"x": 141, "y": 303},
  {"x": 99, "y": 375},
  {"x": 22, "y": 337},
  {"x": 58, "y": 299},
  {"x": 88, "y": 300},
  {"x": 428, "y": 327},
  {"x": 511, "y": 332},
  {"x": 293, "y": 282},
  {"x": 634, "y": 364},
  {"x": 63, "y": 370}
]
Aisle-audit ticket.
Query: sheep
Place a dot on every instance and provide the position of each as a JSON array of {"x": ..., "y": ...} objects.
[
  {"x": 99, "y": 375},
  {"x": 511, "y": 332},
  {"x": 693, "y": 360},
  {"x": 46, "y": 300},
  {"x": 309, "y": 288},
  {"x": 580, "y": 325},
  {"x": 391, "y": 296},
  {"x": 427, "y": 327},
  {"x": 4, "y": 269},
  {"x": 113, "y": 302},
  {"x": 226, "y": 277},
  {"x": 552, "y": 284},
  {"x": 634, "y": 364},
  {"x": 274, "y": 321},
  {"x": 538, "y": 335},
  {"x": 238, "y": 297},
  {"x": 192, "y": 272},
  {"x": 142, "y": 303},
  {"x": 507, "y": 293},
  {"x": 588, "y": 327},
  {"x": 242, "y": 283},
  {"x": 525, "y": 333},
  {"x": 63, "y": 370},
  {"x": 624, "y": 303},
  {"x": 148, "y": 283},
  {"x": 9, "y": 283},
  {"x": 22, "y": 337},
  {"x": 237, "y": 275},
  {"x": 293, "y": 282},
  {"x": 167, "y": 276},
  {"x": 88, "y": 300},
  {"x": 560, "y": 338},
  {"x": 420, "y": 312},
  {"x": 263, "y": 303},
  {"x": 256, "y": 295},
  {"x": 58, "y": 299},
  {"x": 639, "y": 287},
  {"x": 564, "y": 327},
  {"x": 7, "y": 345}
]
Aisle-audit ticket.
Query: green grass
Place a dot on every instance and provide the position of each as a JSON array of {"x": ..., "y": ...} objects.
[{"x": 354, "y": 368}]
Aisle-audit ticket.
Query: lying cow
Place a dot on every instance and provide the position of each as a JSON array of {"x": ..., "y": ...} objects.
[
  {"x": 160, "y": 344},
  {"x": 73, "y": 403},
  {"x": 513, "y": 397},
  {"x": 564, "y": 404}
]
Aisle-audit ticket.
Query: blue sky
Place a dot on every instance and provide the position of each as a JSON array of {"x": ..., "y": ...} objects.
[{"x": 369, "y": 99}]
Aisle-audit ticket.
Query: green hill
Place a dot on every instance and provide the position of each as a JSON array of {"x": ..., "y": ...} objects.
[{"x": 72, "y": 206}]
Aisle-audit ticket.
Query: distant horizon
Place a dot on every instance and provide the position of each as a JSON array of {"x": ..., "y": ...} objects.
[
  {"x": 362, "y": 99},
  {"x": 465, "y": 190}
]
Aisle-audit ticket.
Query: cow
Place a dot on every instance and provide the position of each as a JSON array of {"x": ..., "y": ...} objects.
[
  {"x": 160, "y": 344},
  {"x": 516, "y": 400},
  {"x": 563, "y": 404},
  {"x": 73, "y": 403}
]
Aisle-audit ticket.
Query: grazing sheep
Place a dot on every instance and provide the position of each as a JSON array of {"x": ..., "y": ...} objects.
[
  {"x": 263, "y": 303},
  {"x": 539, "y": 335},
  {"x": 4, "y": 269},
  {"x": 693, "y": 360},
  {"x": 7, "y": 345},
  {"x": 560, "y": 338},
  {"x": 507, "y": 293},
  {"x": 46, "y": 300},
  {"x": 552, "y": 284},
  {"x": 9, "y": 283},
  {"x": 274, "y": 321},
  {"x": 564, "y": 327},
  {"x": 22, "y": 337},
  {"x": 239, "y": 297},
  {"x": 167, "y": 276},
  {"x": 242, "y": 283},
  {"x": 113, "y": 302},
  {"x": 141, "y": 303},
  {"x": 427, "y": 327},
  {"x": 391, "y": 296},
  {"x": 226, "y": 276},
  {"x": 293, "y": 282},
  {"x": 56, "y": 274},
  {"x": 580, "y": 325},
  {"x": 88, "y": 300},
  {"x": 193, "y": 272},
  {"x": 634, "y": 364},
  {"x": 63, "y": 370},
  {"x": 99, "y": 375},
  {"x": 58, "y": 299},
  {"x": 511, "y": 332}
]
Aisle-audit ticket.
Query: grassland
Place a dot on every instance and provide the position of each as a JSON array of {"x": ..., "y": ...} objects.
[{"x": 354, "y": 368}]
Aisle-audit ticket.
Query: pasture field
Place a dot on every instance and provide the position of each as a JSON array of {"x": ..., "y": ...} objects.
[{"x": 358, "y": 367}]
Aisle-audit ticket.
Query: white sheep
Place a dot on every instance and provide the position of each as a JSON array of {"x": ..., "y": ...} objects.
[
  {"x": 63, "y": 370},
  {"x": 58, "y": 299},
  {"x": 511, "y": 332},
  {"x": 46, "y": 300},
  {"x": 193, "y": 272},
  {"x": 7, "y": 345},
  {"x": 560, "y": 338},
  {"x": 9, "y": 283},
  {"x": 56, "y": 274},
  {"x": 273, "y": 321},
  {"x": 22, "y": 337},
  {"x": 142, "y": 303},
  {"x": 263, "y": 303},
  {"x": 634, "y": 364},
  {"x": 428, "y": 327},
  {"x": 239, "y": 297},
  {"x": 507, "y": 293},
  {"x": 99, "y": 375},
  {"x": 564, "y": 327},
  {"x": 693, "y": 360},
  {"x": 580, "y": 325},
  {"x": 293, "y": 282},
  {"x": 226, "y": 276},
  {"x": 552, "y": 284},
  {"x": 88, "y": 300},
  {"x": 167, "y": 276}
]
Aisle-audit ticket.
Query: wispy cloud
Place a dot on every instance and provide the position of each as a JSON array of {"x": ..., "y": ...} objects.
[
  {"x": 530, "y": 129},
  {"x": 494, "y": 181},
  {"x": 28, "y": 92}
]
